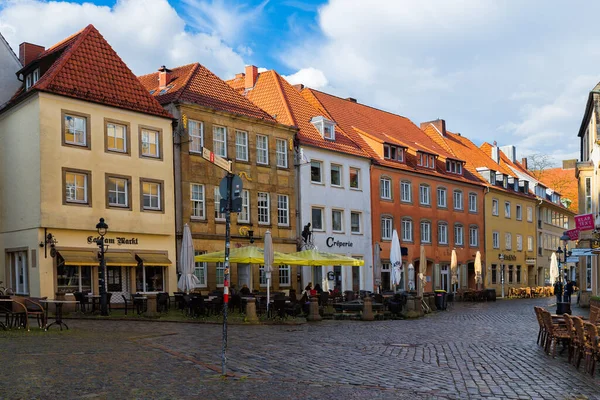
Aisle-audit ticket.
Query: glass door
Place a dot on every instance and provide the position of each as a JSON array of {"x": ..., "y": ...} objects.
[{"x": 444, "y": 278}]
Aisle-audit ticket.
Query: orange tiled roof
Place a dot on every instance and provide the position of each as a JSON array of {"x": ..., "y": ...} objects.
[
  {"x": 238, "y": 83},
  {"x": 193, "y": 83},
  {"x": 84, "y": 66},
  {"x": 276, "y": 96},
  {"x": 564, "y": 182}
]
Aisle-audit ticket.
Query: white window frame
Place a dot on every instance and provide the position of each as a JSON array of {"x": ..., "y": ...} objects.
[
  {"x": 341, "y": 228},
  {"x": 200, "y": 270},
  {"x": 312, "y": 220},
  {"x": 458, "y": 201},
  {"x": 387, "y": 224},
  {"x": 340, "y": 170},
  {"x": 220, "y": 141},
  {"x": 74, "y": 188},
  {"x": 406, "y": 191},
  {"x": 359, "y": 216},
  {"x": 281, "y": 153},
  {"x": 588, "y": 194},
  {"x": 459, "y": 235},
  {"x": 473, "y": 236},
  {"x": 508, "y": 241},
  {"x": 244, "y": 216},
  {"x": 473, "y": 202},
  {"x": 529, "y": 214},
  {"x": 283, "y": 210},
  {"x": 219, "y": 216},
  {"x": 507, "y": 209},
  {"x": 495, "y": 207},
  {"x": 199, "y": 203},
  {"x": 115, "y": 189},
  {"x": 407, "y": 230},
  {"x": 285, "y": 278},
  {"x": 385, "y": 188},
  {"x": 151, "y": 196},
  {"x": 442, "y": 200},
  {"x": 75, "y": 132},
  {"x": 519, "y": 212},
  {"x": 196, "y": 134},
  {"x": 519, "y": 242},
  {"x": 114, "y": 129},
  {"x": 320, "y": 164},
  {"x": 219, "y": 273},
  {"x": 261, "y": 197},
  {"x": 150, "y": 137},
  {"x": 262, "y": 149},
  {"x": 425, "y": 232},
  {"x": 496, "y": 240},
  {"x": 424, "y": 195},
  {"x": 241, "y": 145},
  {"x": 442, "y": 233},
  {"x": 529, "y": 243}
]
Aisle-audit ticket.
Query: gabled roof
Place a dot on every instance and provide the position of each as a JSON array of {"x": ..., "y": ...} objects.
[
  {"x": 193, "y": 83},
  {"x": 504, "y": 162},
  {"x": 84, "y": 66},
  {"x": 276, "y": 96},
  {"x": 564, "y": 181}
]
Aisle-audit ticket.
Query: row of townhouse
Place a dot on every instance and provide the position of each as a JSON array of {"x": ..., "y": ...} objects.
[{"x": 83, "y": 138}]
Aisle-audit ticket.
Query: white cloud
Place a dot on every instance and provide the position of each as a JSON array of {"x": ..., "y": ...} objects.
[
  {"x": 310, "y": 77},
  {"x": 142, "y": 45}
]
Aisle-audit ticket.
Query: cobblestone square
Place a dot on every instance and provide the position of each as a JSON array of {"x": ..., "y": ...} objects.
[{"x": 474, "y": 351}]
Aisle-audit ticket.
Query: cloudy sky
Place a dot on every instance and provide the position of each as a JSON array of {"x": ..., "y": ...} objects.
[{"x": 505, "y": 70}]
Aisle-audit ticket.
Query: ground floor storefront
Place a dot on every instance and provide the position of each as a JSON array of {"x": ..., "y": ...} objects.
[
  {"x": 51, "y": 262},
  {"x": 519, "y": 270}
]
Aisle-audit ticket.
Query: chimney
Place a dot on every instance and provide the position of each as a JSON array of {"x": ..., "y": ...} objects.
[
  {"x": 524, "y": 162},
  {"x": 351, "y": 99},
  {"x": 28, "y": 52},
  {"x": 164, "y": 76},
  {"x": 510, "y": 151},
  {"x": 439, "y": 124},
  {"x": 569, "y": 164},
  {"x": 495, "y": 153},
  {"x": 251, "y": 75},
  {"x": 298, "y": 86}
]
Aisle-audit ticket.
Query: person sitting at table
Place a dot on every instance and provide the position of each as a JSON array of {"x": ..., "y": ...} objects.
[
  {"x": 308, "y": 287},
  {"x": 305, "y": 302},
  {"x": 318, "y": 289},
  {"x": 245, "y": 290}
]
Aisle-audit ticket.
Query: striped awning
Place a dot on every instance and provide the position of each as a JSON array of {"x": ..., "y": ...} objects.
[
  {"x": 79, "y": 257},
  {"x": 154, "y": 259},
  {"x": 117, "y": 259}
]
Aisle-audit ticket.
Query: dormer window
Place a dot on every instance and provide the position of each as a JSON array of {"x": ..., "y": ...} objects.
[
  {"x": 426, "y": 160},
  {"x": 505, "y": 182},
  {"x": 393, "y": 152},
  {"x": 32, "y": 78},
  {"x": 325, "y": 127},
  {"x": 454, "y": 167},
  {"x": 493, "y": 177}
]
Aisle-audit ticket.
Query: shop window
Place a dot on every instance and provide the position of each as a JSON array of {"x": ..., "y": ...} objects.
[
  {"x": 149, "y": 279},
  {"x": 73, "y": 278}
]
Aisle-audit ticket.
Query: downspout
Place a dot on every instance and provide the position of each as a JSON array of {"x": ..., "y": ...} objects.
[
  {"x": 297, "y": 164},
  {"x": 178, "y": 131}
]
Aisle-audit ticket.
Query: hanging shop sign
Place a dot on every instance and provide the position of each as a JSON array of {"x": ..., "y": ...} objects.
[{"x": 584, "y": 222}]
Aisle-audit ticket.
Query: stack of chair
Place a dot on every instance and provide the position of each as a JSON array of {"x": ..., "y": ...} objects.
[{"x": 554, "y": 333}]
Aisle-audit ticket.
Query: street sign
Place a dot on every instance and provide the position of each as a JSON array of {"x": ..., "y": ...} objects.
[
  {"x": 217, "y": 160},
  {"x": 236, "y": 187},
  {"x": 584, "y": 222},
  {"x": 581, "y": 252},
  {"x": 572, "y": 259}
]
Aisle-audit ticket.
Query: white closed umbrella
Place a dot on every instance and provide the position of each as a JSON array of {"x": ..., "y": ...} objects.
[
  {"x": 553, "y": 268},
  {"x": 422, "y": 271},
  {"x": 269, "y": 256},
  {"x": 454, "y": 268},
  {"x": 411, "y": 277},
  {"x": 396, "y": 259},
  {"x": 187, "y": 281},
  {"x": 478, "y": 269}
]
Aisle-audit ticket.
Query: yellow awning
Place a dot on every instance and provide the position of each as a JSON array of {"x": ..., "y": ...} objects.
[
  {"x": 80, "y": 257},
  {"x": 125, "y": 259},
  {"x": 154, "y": 259}
]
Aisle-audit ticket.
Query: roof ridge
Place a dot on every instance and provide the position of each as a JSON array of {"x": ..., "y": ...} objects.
[
  {"x": 285, "y": 98},
  {"x": 187, "y": 80}
]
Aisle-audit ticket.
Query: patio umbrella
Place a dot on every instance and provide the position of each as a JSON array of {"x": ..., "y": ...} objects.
[
  {"x": 411, "y": 277},
  {"x": 396, "y": 259},
  {"x": 187, "y": 280},
  {"x": 377, "y": 266},
  {"x": 454, "y": 268},
  {"x": 478, "y": 269},
  {"x": 313, "y": 257},
  {"x": 553, "y": 269},
  {"x": 422, "y": 269},
  {"x": 268, "y": 260},
  {"x": 249, "y": 255}
]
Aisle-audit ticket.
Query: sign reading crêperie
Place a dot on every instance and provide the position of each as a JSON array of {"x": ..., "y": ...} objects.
[
  {"x": 584, "y": 222},
  {"x": 331, "y": 242},
  {"x": 117, "y": 240}
]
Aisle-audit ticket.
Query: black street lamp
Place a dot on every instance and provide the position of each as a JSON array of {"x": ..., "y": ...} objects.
[
  {"x": 102, "y": 227},
  {"x": 563, "y": 262},
  {"x": 501, "y": 258}
]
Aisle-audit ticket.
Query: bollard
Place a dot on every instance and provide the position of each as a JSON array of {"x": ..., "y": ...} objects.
[
  {"x": 367, "y": 314},
  {"x": 151, "y": 306},
  {"x": 251, "y": 317},
  {"x": 313, "y": 311}
]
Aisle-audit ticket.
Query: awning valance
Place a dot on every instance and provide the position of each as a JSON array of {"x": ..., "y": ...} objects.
[
  {"x": 125, "y": 259},
  {"x": 154, "y": 259},
  {"x": 79, "y": 257}
]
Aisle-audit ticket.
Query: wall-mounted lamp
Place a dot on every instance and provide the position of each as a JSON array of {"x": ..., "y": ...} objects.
[
  {"x": 251, "y": 236},
  {"x": 49, "y": 240}
]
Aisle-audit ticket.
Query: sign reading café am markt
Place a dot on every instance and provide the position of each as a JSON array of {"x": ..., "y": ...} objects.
[{"x": 116, "y": 240}]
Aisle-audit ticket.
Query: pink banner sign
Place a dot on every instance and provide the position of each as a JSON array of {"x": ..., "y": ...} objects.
[
  {"x": 584, "y": 222},
  {"x": 573, "y": 234}
]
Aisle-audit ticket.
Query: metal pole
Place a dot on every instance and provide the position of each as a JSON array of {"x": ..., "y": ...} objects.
[
  {"x": 226, "y": 273},
  {"x": 502, "y": 278},
  {"x": 103, "y": 302}
]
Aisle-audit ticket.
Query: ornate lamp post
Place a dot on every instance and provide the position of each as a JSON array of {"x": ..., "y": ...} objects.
[
  {"x": 562, "y": 261},
  {"x": 501, "y": 258},
  {"x": 102, "y": 228}
]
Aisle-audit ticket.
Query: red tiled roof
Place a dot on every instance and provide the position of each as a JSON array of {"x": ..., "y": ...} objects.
[
  {"x": 238, "y": 84},
  {"x": 564, "y": 182},
  {"x": 84, "y": 66},
  {"x": 195, "y": 84},
  {"x": 276, "y": 96}
]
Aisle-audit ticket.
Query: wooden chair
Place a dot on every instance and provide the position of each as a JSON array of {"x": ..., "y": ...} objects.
[
  {"x": 591, "y": 333},
  {"x": 574, "y": 342},
  {"x": 541, "y": 339},
  {"x": 555, "y": 333},
  {"x": 581, "y": 339},
  {"x": 35, "y": 308},
  {"x": 594, "y": 315}
]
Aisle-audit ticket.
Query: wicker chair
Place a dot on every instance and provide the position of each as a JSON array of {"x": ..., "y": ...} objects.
[
  {"x": 556, "y": 332},
  {"x": 582, "y": 341},
  {"x": 594, "y": 315},
  {"x": 574, "y": 342},
  {"x": 541, "y": 339},
  {"x": 591, "y": 333},
  {"x": 35, "y": 308}
]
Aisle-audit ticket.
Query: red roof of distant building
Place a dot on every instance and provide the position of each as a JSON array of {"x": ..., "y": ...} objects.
[
  {"x": 193, "y": 83},
  {"x": 564, "y": 182},
  {"x": 84, "y": 66}
]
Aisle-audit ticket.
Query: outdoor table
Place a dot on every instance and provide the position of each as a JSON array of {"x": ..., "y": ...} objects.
[
  {"x": 6, "y": 301},
  {"x": 140, "y": 303},
  {"x": 95, "y": 298},
  {"x": 58, "y": 313}
]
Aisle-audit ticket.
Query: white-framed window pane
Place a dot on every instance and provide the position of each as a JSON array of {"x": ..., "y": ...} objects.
[
  {"x": 200, "y": 270},
  {"x": 218, "y": 214},
  {"x": 262, "y": 276},
  {"x": 507, "y": 209},
  {"x": 405, "y": 193},
  {"x": 116, "y": 137},
  {"x": 473, "y": 236},
  {"x": 117, "y": 192},
  {"x": 284, "y": 275},
  {"x": 425, "y": 232},
  {"x": 336, "y": 175},
  {"x": 406, "y": 230},
  {"x": 495, "y": 207},
  {"x": 508, "y": 241},
  {"x": 151, "y": 195},
  {"x": 336, "y": 220},
  {"x": 317, "y": 218},
  {"x": 385, "y": 188},
  {"x": 441, "y": 197},
  {"x": 283, "y": 210},
  {"x": 197, "y": 198},
  {"x": 150, "y": 143},
  {"x": 354, "y": 178},
  {"x": 196, "y": 133},
  {"x": 262, "y": 149},
  {"x": 529, "y": 214},
  {"x": 496, "y": 240},
  {"x": 443, "y": 234},
  {"x": 458, "y": 200},
  {"x": 264, "y": 215},
  {"x": 458, "y": 235},
  {"x": 75, "y": 130},
  {"x": 241, "y": 145},
  {"x": 76, "y": 187},
  {"x": 316, "y": 171},
  {"x": 220, "y": 141},
  {"x": 472, "y": 202},
  {"x": 518, "y": 212},
  {"x": 386, "y": 228},
  {"x": 519, "y": 242},
  {"x": 355, "y": 222},
  {"x": 244, "y": 215},
  {"x": 529, "y": 243},
  {"x": 220, "y": 276},
  {"x": 424, "y": 194},
  {"x": 281, "y": 153}
]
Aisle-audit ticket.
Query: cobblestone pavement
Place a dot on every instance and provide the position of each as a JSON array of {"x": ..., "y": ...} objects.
[{"x": 476, "y": 350}]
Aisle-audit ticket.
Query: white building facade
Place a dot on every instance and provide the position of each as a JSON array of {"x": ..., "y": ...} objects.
[
  {"x": 334, "y": 197},
  {"x": 9, "y": 65}
]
